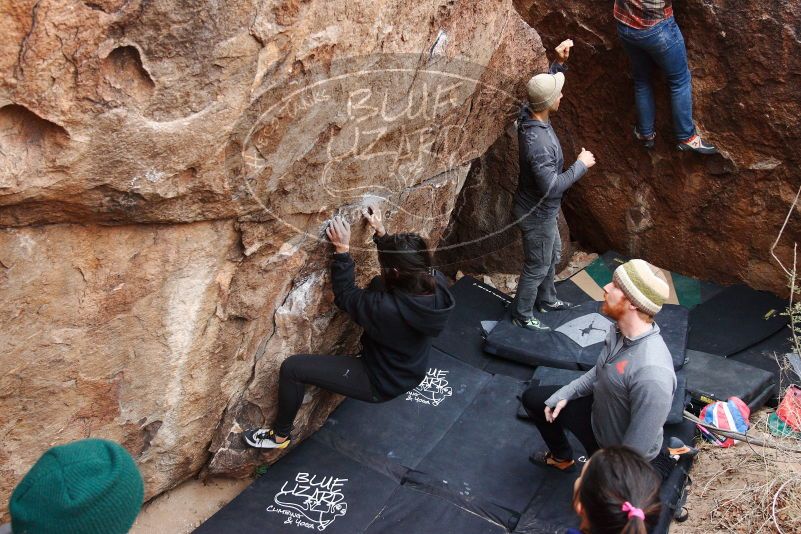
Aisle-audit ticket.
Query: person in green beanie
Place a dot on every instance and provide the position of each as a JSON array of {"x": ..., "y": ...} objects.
[{"x": 90, "y": 486}]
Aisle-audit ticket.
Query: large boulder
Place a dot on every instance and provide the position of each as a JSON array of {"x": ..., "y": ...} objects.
[
  {"x": 166, "y": 171},
  {"x": 712, "y": 217}
]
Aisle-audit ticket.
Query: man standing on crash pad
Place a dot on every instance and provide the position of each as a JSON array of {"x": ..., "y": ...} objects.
[
  {"x": 540, "y": 187},
  {"x": 625, "y": 399}
]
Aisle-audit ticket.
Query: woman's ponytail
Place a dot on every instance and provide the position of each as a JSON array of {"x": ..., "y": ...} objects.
[
  {"x": 636, "y": 519},
  {"x": 615, "y": 478}
]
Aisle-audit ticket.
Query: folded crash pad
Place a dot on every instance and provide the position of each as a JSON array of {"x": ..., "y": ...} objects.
[
  {"x": 764, "y": 355},
  {"x": 735, "y": 319},
  {"x": 712, "y": 378},
  {"x": 577, "y": 337}
]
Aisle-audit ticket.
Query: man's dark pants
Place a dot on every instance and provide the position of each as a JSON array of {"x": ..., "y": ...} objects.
[
  {"x": 576, "y": 417},
  {"x": 542, "y": 248}
]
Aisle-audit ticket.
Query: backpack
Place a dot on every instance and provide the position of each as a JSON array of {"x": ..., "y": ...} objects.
[{"x": 731, "y": 415}]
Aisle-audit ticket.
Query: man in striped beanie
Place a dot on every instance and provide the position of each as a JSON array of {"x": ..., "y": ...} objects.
[
  {"x": 643, "y": 285},
  {"x": 625, "y": 399}
]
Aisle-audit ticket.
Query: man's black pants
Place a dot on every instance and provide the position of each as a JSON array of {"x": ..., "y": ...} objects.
[
  {"x": 576, "y": 417},
  {"x": 345, "y": 375}
]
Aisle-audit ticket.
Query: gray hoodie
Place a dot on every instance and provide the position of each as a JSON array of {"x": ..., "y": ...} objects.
[
  {"x": 632, "y": 383},
  {"x": 542, "y": 183}
]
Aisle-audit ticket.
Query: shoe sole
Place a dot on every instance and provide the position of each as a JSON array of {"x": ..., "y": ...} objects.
[
  {"x": 257, "y": 446},
  {"x": 704, "y": 152},
  {"x": 542, "y": 462},
  {"x": 546, "y": 329}
]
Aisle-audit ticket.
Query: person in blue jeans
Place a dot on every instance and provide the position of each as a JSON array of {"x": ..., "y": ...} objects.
[{"x": 651, "y": 38}]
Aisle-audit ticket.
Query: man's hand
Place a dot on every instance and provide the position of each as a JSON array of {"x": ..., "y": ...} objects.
[
  {"x": 550, "y": 416},
  {"x": 563, "y": 50},
  {"x": 373, "y": 216},
  {"x": 586, "y": 157},
  {"x": 338, "y": 232}
]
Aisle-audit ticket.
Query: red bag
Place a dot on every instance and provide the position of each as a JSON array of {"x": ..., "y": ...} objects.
[{"x": 789, "y": 409}]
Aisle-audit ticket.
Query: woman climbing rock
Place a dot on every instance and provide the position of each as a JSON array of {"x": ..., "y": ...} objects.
[{"x": 400, "y": 312}]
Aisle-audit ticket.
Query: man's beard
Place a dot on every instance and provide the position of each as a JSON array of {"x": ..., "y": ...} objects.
[{"x": 615, "y": 312}]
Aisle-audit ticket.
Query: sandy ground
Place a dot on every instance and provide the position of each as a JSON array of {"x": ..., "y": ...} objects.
[
  {"x": 184, "y": 508},
  {"x": 733, "y": 490}
]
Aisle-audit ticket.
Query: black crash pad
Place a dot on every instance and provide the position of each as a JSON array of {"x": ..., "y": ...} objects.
[
  {"x": 485, "y": 453},
  {"x": 586, "y": 330},
  {"x": 713, "y": 378},
  {"x": 549, "y": 376},
  {"x": 475, "y": 302},
  {"x": 411, "y": 510},
  {"x": 763, "y": 356},
  {"x": 406, "y": 428},
  {"x": 735, "y": 319},
  {"x": 577, "y": 337},
  {"x": 463, "y": 336},
  {"x": 313, "y": 488},
  {"x": 512, "y": 369}
]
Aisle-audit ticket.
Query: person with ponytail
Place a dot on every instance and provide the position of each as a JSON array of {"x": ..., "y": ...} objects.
[
  {"x": 400, "y": 312},
  {"x": 617, "y": 493}
]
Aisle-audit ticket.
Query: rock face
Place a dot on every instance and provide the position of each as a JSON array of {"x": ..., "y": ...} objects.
[
  {"x": 166, "y": 169},
  {"x": 713, "y": 217}
]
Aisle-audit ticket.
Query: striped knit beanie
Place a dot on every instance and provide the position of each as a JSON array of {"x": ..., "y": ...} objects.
[
  {"x": 90, "y": 486},
  {"x": 643, "y": 284}
]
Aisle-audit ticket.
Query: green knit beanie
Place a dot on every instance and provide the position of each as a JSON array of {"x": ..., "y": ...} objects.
[{"x": 89, "y": 486}]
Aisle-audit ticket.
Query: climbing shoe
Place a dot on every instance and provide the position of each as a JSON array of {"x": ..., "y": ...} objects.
[
  {"x": 263, "y": 438},
  {"x": 677, "y": 449},
  {"x": 532, "y": 323},
  {"x": 556, "y": 305},
  {"x": 647, "y": 141},
  {"x": 548, "y": 459},
  {"x": 697, "y": 145}
]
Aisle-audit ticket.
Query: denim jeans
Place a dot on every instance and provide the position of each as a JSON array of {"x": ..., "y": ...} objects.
[
  {"x": 542, "y": 248},
  {"x": 661, "y": 45}
]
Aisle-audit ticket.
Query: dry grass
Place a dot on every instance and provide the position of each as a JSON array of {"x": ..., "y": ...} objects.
[{"x": 746, "y": 489}]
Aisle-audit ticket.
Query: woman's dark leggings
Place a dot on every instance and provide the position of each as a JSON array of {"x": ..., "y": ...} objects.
[{"x": 345, "y": 375}]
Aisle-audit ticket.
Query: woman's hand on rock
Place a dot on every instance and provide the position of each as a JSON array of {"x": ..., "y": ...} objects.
[
  {"x": 374, "y": 219},
  {"x": 338, "y": 232}
]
